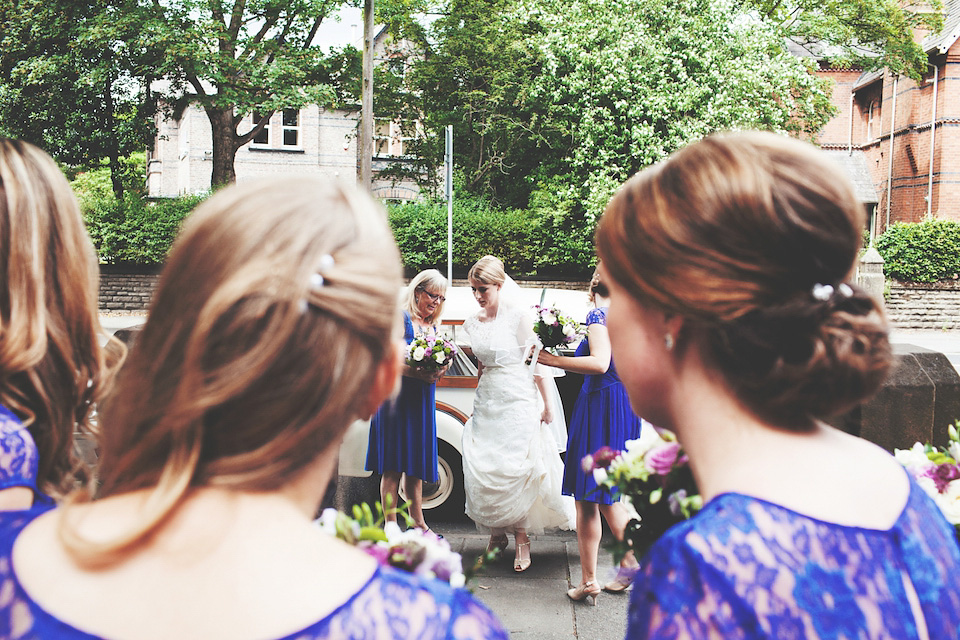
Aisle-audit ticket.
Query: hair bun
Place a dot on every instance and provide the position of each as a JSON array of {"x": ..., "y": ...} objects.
[{"x": 809, "y": 358}]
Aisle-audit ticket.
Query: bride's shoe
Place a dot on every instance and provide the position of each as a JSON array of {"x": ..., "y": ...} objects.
[
  {"x": 625, "y": 577},
  {"x": 587, "y": 591},
  {"x": 519, "y": 562}
]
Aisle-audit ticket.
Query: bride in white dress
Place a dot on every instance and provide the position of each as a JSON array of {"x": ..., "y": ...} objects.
[{"x": 511, "y": 470}]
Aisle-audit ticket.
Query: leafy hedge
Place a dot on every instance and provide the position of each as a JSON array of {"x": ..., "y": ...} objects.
[
  {"x": 535, "y": 241},
  {"x": 134, "y": 230},
  {"x": 921, "y": 251},
  {"x": 527, "y": 242}
]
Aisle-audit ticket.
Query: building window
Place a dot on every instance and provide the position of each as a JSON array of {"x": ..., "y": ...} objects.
[
  {"x": 264, "y": 136},
  {"x": 291, "y": 127},
  {"x": 392, "y": 138},
  {"x": 873, "y": 120},
  {"x": 281, "y": 132}
]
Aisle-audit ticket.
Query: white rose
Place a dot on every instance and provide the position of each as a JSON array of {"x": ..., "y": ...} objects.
[
  {"x": 440, "y": 357},
  {"x": 392, "y": 531},
  {"x": 949, "y": 502},
  {"x": 548, "y": 318},
  {"x": 649, "y": 438},
  {"x": 418, "y": 354},
  {"x": 914, "y": 459},
  {"x": 568, "y": 330},
  {"x": 599, "y": 475}
]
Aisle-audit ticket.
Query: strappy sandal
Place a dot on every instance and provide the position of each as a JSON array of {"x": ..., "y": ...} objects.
[{"x": 519, "y": 563}]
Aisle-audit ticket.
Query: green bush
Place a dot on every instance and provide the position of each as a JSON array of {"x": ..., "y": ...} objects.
[
  {"x": 921, "y": 251},
  {"x": 528, "y": 243},
  {"x": 135, "y": 231}
]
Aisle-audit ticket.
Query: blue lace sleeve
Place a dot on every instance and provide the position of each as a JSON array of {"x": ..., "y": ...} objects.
[
  {"x": 596, "y": 316},
  {"x": 18, "y": 453},
  {"x": 746, "y": 568}
]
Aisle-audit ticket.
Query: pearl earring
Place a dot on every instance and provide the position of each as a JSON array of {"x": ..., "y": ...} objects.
[{"x": 668, "y": 341}]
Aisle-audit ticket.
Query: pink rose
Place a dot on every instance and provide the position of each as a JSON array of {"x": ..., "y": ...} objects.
[{"x": 660, "y": 460}]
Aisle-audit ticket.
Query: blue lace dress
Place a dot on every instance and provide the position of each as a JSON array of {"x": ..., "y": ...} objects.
[
  {"x": 747, "y": 568},
  {"x": 602, "y": 416},
  {"x": 18, "y": 457},
  {"x": 391, "y": 605},
  {"x": 403, "y": 433}
]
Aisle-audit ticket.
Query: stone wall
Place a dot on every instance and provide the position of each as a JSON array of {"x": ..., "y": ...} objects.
[
  {"x": 126, "y": 291},
  {"x": 909, "y": 306},
  {"x": 929, "y": 306}
]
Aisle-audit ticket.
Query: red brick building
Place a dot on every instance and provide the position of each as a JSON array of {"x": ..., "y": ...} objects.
[{"x": 900, "y": 140}]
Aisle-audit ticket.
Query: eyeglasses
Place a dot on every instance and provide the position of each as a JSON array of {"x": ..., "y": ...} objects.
[{"x": 435, "y": 297}]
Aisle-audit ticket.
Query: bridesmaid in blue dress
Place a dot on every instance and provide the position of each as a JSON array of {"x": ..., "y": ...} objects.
[
  {"x": 52, "y": 367},
  {"x": 602, "y": 417},
  {"x": 735, "y": 327},
  {"x": 273, "y": 328},
  {"x": 403, "y": 433}
]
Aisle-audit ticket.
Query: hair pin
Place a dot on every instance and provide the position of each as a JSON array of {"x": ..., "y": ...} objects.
[
  {"x": 824, "y": 292},
  {"x": 326, "y": 262}
]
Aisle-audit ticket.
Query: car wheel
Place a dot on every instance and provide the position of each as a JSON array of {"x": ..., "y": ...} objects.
[{"x": 445, "y": 497}]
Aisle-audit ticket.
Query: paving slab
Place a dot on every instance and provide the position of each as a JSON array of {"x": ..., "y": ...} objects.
[{"x": 533, "y": 605}]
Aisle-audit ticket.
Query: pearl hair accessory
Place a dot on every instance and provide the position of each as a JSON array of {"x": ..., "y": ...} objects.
[
  {"x": 316, "y": 278},
  {"x": 824, "y": 292}
]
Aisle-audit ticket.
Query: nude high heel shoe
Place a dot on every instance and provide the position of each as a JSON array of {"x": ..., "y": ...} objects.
[
  {"x": 588, "y": 591},
  {"x": 519, "y": 562}
]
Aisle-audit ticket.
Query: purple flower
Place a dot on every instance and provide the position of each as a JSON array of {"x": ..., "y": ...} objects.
[
  {"x": 660, "y": 460},
  {"x": 943, "y": 474},
  {"x": 603, "y": 456}
]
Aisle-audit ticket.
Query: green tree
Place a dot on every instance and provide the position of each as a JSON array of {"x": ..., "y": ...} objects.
[
  {"x": 869, "y": 34},
  {"x": 68, "y": 83},
  {"x": 624, "y": 85}
]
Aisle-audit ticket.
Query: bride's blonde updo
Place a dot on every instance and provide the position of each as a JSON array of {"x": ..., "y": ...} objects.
[
  {"x": 752, "y": 238},
  {"x": 488, "y": 270}
]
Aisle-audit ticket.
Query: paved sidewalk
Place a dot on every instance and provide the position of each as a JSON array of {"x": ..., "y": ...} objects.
[{"x": 533, "y": 605}]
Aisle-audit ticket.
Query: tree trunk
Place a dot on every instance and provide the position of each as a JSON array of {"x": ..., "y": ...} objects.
[
  {"x": 113, "y": 153},
  {"x": 225, "y": 145}
]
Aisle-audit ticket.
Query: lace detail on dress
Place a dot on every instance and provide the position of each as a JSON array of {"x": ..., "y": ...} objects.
[
  {"x": 392, "y": 605},
  {"x": 746, "y": 568},
  {"x": 18, "y": 453}
]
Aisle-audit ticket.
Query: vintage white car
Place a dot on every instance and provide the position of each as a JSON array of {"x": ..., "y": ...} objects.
[{"x": 455, "y": 404}]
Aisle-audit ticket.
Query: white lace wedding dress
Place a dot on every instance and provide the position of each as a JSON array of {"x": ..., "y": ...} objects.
[{"x": 511, "y": 469}]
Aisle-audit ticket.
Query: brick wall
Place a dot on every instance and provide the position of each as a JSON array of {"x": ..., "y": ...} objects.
[{"x": 917, "y": 306}]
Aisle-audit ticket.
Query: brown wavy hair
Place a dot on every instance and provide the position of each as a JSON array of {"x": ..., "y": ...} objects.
[
  {"x": 52, "y": 367},
  {"x": 732, "y": 233},
  {"x": 277, "y": 304}
]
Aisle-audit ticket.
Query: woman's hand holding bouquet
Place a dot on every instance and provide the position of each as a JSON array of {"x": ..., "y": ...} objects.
[{"x": 429, "y": 356}]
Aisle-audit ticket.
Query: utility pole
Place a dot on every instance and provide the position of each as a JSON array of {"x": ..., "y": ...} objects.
[{"x": 366, "y": 100}]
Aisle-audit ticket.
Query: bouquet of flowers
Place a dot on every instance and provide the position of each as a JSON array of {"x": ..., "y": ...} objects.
[
  {"x": 553, "y": 328},
  {"x": 430, "y": 352},
  {"x": 418, "y": 552},
  {"x": 654, "y": 475},
  {"x": 937, "y": 471}
]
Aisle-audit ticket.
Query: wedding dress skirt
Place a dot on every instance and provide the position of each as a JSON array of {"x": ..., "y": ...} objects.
[{"x": 512, "y": 471}]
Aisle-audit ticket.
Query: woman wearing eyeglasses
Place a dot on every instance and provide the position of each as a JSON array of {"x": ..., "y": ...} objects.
[{"x": 403, "y": 433}]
